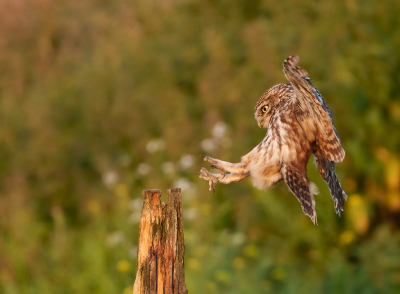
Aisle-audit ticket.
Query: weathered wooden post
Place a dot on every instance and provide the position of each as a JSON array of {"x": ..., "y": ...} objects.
[{"x": 160, "y": 268}]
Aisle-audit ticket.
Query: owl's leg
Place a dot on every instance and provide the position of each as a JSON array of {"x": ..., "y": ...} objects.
[
  {"x": 224, "y": 166},
  {"x": 215, "y": 179}
]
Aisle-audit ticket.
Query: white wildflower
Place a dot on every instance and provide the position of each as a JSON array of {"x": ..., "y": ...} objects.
[
  {"x": 133, "y": 252},
  {"x": 208, "y": 145},
  {"x": 190, "y": 213},
  {"x": 136, "y": 204},
  {"x": 155, "y": 145},
  {"x": 143, "y": 169},
  {"x": 110, "y": 178},
  {"x": 134, "y": 218},
  {"x": 188, "y": 188},
  {"x": 168, "y": 168},
  {"x": 115, "y": 238},
  {"x": 238, "y": 239},
  {"x": 219, "y": 129},
  {"x": 184, "y": 184},
  {"x": 186, "y": 161}
]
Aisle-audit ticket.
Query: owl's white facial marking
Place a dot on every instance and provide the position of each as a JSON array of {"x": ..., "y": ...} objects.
[{"x": 263, "y": 115}]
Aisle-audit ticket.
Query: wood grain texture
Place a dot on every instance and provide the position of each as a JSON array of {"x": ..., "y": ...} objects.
[{"x": 160, "y": 268}]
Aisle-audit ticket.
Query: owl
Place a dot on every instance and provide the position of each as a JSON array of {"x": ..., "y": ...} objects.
[{"x": 299, "y": 123}]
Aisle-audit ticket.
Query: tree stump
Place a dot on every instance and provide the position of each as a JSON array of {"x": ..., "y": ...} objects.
[{"x": 160, "y": 268}]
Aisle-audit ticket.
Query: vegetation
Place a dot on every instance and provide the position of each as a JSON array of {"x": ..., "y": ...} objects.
[{"x": 102, "y": 99}]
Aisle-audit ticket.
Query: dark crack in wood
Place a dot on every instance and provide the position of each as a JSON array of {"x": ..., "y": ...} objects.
[{"x": 160, "y": 268}]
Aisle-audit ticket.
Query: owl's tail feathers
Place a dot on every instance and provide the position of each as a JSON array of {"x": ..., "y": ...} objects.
[
  {"x": 303, "y": 190},
  {"x": 327, "y": 171}
]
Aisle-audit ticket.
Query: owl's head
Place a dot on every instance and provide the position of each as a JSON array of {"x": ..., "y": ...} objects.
[{"x": 266, "y": 106}]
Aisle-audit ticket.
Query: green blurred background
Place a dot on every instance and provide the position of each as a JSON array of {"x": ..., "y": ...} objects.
[{"x": 102, "y": 99}]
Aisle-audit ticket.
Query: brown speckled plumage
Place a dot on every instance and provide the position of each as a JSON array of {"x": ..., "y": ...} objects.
[{"x": 299, "y": 124}]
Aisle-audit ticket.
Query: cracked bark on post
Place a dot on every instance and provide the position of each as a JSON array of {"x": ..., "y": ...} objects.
[{"x": 160, "y": 268}]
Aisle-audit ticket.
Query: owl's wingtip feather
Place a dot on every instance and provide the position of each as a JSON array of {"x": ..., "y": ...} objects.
[{"x": 291, "y": 61}]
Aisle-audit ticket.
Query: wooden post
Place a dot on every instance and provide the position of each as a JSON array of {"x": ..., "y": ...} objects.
[{"x": 160, "y": 268}]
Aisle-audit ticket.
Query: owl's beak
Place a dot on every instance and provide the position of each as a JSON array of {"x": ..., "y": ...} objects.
[{"x": 259, "y": 124}]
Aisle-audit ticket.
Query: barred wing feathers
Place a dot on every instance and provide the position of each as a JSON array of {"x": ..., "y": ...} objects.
[
  {"x": 301, "y": 188},
  {"x": 310, "y": 103}
]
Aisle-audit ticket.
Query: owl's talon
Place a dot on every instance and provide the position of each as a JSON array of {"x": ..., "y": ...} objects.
[
  {"x": 216, "y": 166},
  {"x": 212, "y": 186},
  {"x": 212, "y": 180},
  {"x": 210, "y": 160}
]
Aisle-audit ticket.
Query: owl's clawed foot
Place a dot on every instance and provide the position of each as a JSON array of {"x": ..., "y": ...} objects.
[
  {"x": 211, "y": 178},
  {"x": 215, "y": 164}
]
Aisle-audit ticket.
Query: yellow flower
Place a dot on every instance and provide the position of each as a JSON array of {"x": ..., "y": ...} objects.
[
  {"x": 193, "y": 263},
  {"x": 251, "y": 251},
  {"x": 123, "y": 266},
  {"x": 393, "y": 199},
  {"x": 222, "y": 276},
  {"x": 127, "y": 290},
  {"x": 358, "y": 213},
  {"x": 347, "y": 237},
  {"x": 393, "y": 174}
]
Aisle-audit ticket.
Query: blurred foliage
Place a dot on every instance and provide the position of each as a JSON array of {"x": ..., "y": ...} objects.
[{"x": 101, "y": 99}]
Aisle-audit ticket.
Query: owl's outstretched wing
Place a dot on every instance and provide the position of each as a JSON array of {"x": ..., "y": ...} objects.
[
  {"x": 301, "y": 188},
  {"x": 309, "y": 103}
]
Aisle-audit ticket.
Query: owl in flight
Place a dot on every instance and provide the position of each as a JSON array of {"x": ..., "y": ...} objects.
[{"x": 299, "y": 123}]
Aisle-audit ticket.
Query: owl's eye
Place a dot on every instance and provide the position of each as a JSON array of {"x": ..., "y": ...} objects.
[{"x": 264, "y": 109}]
